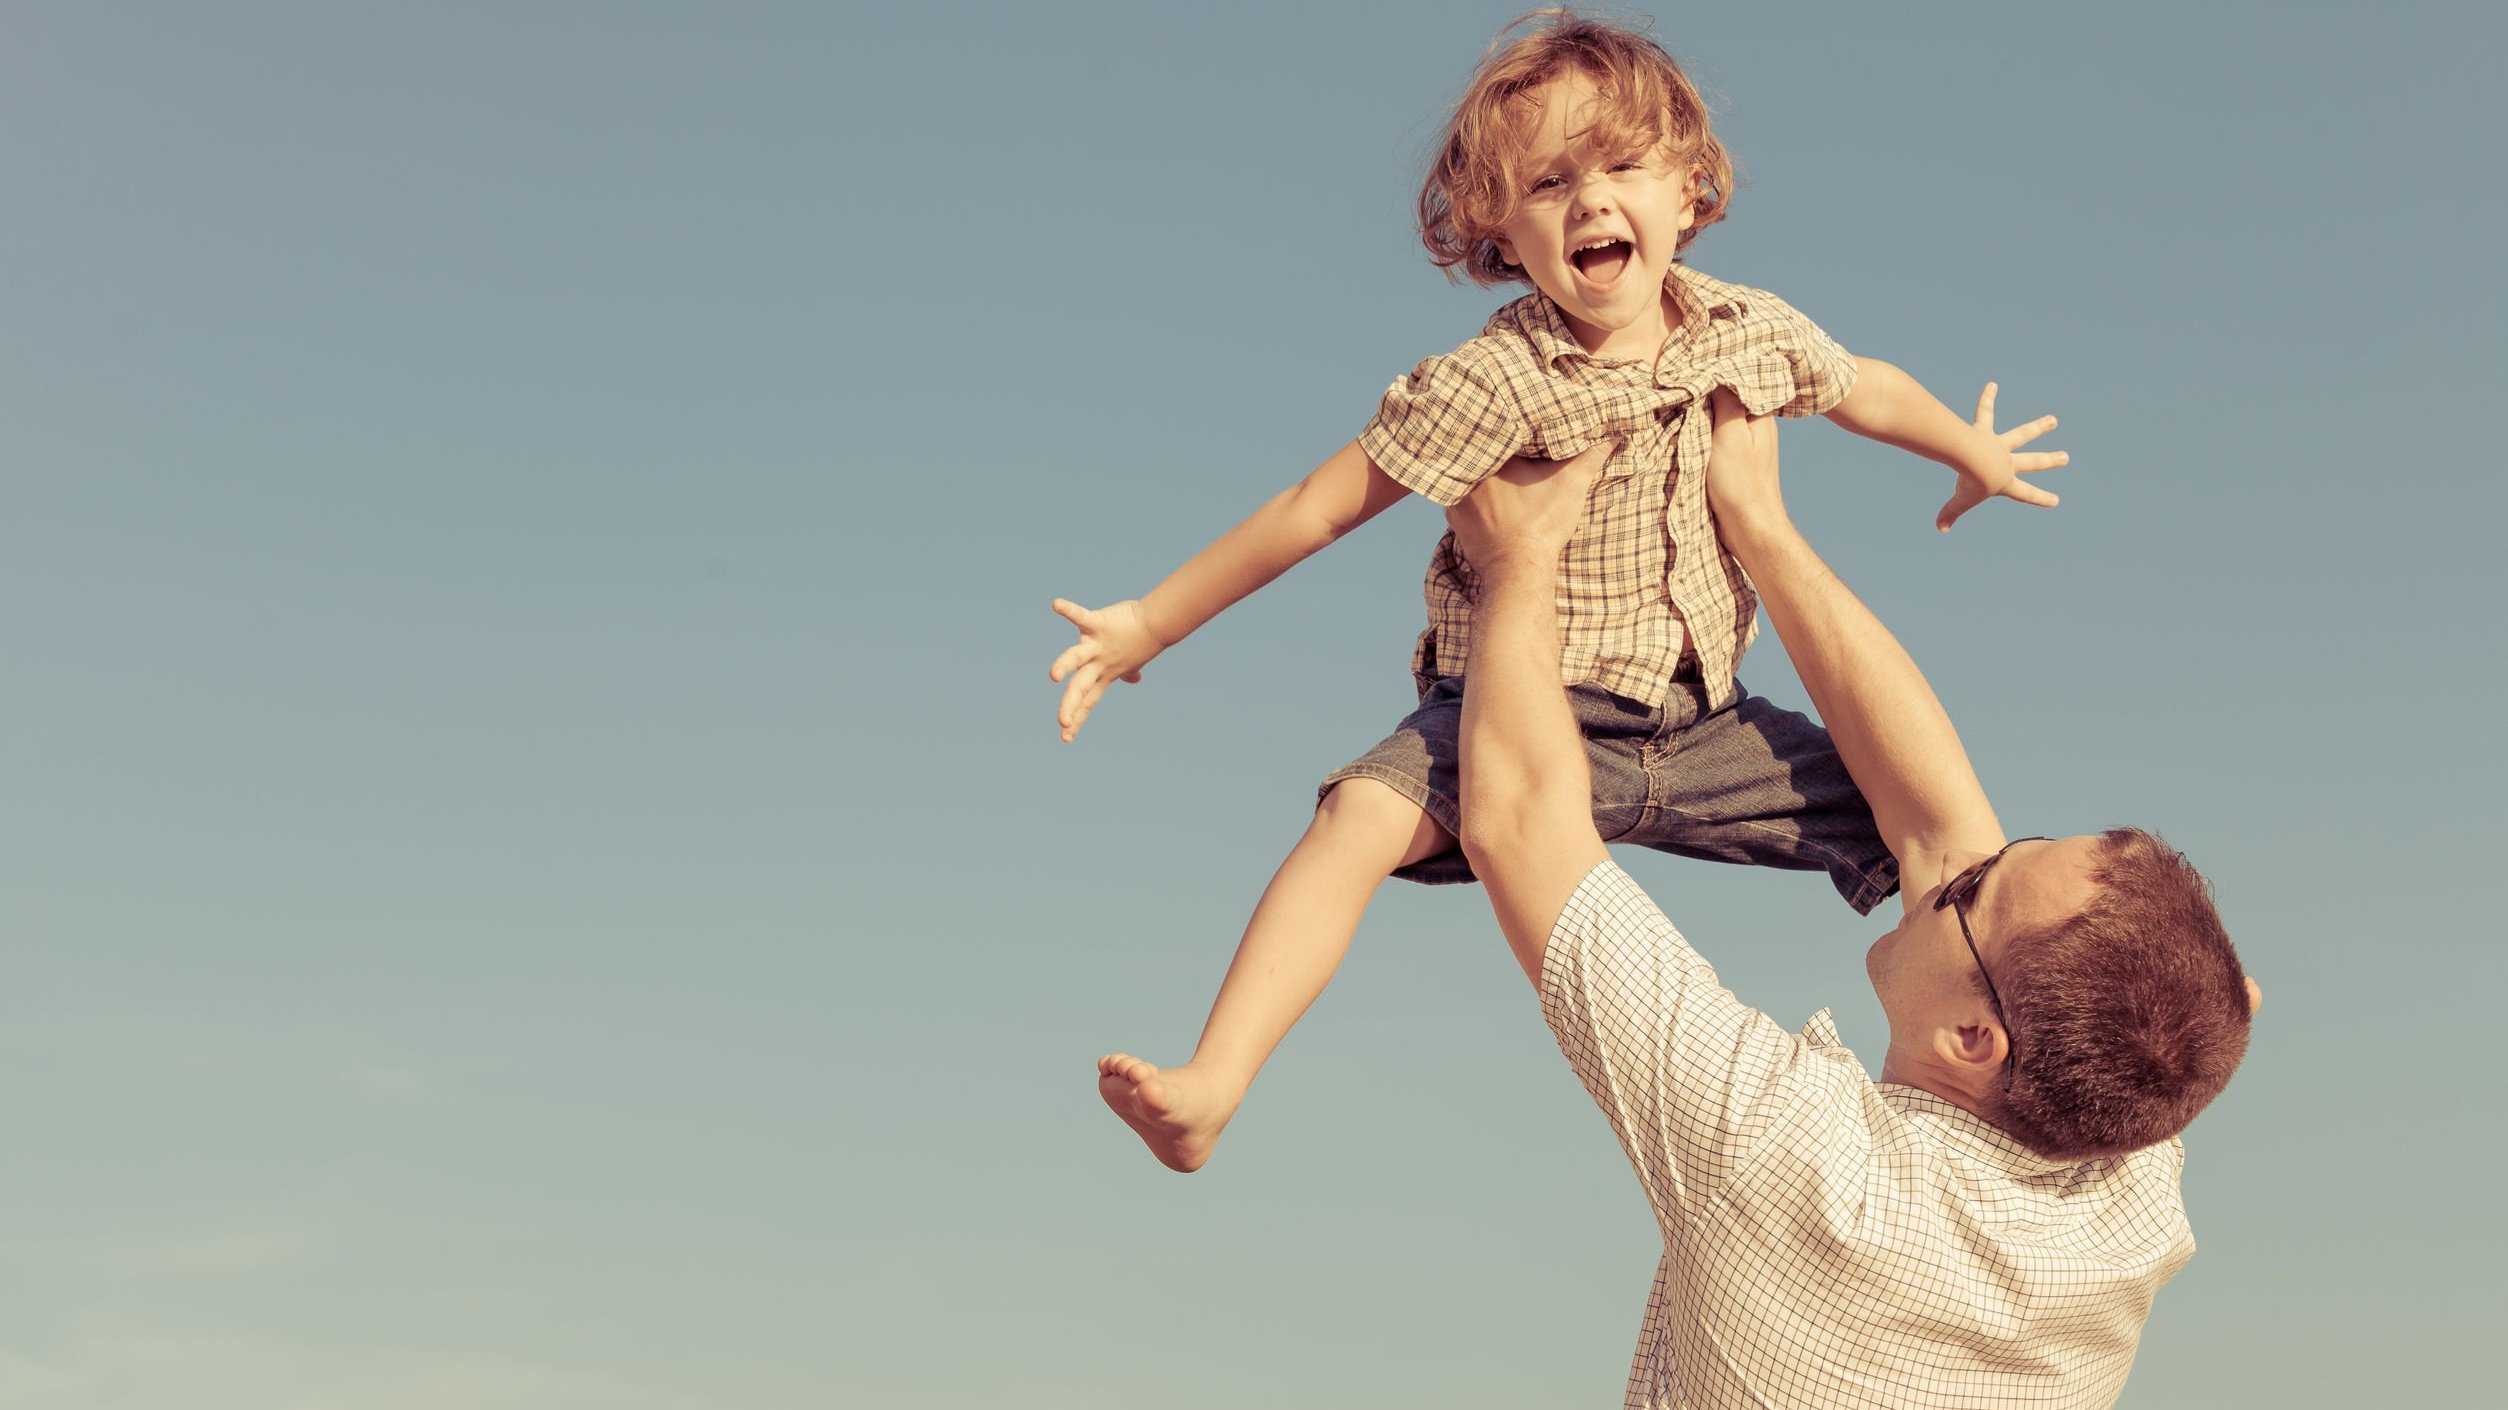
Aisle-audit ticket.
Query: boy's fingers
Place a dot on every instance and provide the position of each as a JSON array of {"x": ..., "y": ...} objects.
[
  {"x": 2041, "y": 460},
  {"x": 1072, "y": 612},
  {"x": 2023, "y": 435},
  {"x": 2030, "y": 494},
  {"x": 1951, "y": 511},
  {"x": 1985, "y": 407}
]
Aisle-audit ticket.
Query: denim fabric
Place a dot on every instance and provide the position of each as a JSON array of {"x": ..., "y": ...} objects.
[{"x": 1751, "y": 783}]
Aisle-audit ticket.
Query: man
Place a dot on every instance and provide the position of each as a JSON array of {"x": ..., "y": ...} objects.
[{"x": 1985, "y": 1226}]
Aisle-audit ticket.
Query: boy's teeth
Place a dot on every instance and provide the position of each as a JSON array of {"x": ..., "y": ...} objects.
[{"x": 1603, "y": 263}]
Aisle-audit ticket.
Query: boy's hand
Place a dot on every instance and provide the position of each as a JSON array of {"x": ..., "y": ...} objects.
[
  {"x": 1995, "y": 469},
  {"x": 1527, "y": 507},
  {"x": 1115, "y": 643}
]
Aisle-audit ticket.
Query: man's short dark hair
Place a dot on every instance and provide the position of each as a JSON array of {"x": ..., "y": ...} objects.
[{"x": 2128, "y": 1018}]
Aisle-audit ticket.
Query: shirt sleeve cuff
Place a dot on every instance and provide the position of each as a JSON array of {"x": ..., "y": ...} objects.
[{"x": 1433, "y": 480}]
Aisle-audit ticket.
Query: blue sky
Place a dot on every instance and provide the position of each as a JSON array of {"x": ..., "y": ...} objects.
[{"x": 538, "y": 870}]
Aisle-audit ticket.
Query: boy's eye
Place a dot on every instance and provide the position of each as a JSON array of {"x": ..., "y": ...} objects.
[
  {"x": 1549, "y": 183},
  {"x": 1628, "y": 164}
]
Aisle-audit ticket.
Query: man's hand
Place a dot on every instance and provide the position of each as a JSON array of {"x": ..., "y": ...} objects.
[
  {"x": 1742, "y": 483},
  {"x": 1529, "y": 508},
  {"x": 1994, "y": 468},
  {"x": 1115, "y": 643}
]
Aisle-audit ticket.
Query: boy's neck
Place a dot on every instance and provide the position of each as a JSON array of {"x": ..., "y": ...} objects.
[{"x": 1641, "y": 341}]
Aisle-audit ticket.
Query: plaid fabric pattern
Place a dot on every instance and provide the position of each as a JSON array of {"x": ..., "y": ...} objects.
[
  {"x": 1833, "y": 1242},
  {"x": 1645, "y": 575}
]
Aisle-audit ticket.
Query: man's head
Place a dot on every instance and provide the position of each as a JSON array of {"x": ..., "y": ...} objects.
[
  {"x": 1556, "y": 89},
  {"x": 2103, "y": 1005}
]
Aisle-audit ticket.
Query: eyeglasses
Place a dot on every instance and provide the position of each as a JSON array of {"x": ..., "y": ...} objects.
[{"x": 1956, "y": 893}]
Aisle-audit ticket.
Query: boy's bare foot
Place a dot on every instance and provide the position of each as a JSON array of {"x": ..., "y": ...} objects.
[{"x": 1177, "y": 1111}]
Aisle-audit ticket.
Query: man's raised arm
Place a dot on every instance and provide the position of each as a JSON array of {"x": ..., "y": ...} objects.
[
  {"x": 1888, "y": 725},
  {"x": 1528, "y": 814}
]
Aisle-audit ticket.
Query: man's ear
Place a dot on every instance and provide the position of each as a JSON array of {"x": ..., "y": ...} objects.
[{"x": 1972, "y": 1049}]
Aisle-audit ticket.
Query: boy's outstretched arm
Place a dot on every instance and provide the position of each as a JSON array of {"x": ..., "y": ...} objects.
[
  {"x": 1115, "y": 642},
  {"x": 1889, "y": 406},
  {"x": 1528, "y": 813}
]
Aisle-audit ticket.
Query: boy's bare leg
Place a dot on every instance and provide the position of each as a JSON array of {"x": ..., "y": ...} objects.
[{"x": 1361, "y": 834}]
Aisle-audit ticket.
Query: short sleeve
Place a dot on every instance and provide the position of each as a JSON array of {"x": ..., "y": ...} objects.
[
  {"x": 1786, "y": 364},
  {"x": 1444, "y": 428},
  {"x": 1692, "y": 1080}
]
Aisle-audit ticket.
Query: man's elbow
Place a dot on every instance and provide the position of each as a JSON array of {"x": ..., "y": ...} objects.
[
  {"x": 1485, "y": 845},
  {"x": 1500, "y": 819}
]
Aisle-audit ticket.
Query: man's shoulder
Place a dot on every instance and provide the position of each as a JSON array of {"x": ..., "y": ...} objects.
[
  {"x": 2068, "y": 1201},
  {"x": 1612, "y": 945}
]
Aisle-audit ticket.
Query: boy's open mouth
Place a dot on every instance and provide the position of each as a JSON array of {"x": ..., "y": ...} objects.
[{"x": 1603, "y": 263}]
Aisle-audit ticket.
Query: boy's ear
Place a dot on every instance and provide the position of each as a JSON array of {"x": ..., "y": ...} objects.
[{"x": 1506, "y": 250}]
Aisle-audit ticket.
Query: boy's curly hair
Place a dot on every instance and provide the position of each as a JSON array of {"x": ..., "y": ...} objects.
[{"x": 1646, "y": 104}]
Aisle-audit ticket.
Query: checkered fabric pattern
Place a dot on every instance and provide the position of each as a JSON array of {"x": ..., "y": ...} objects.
[
  {"x": 1833, "y": 1242},
  {"x": 1645, "y": 574}
]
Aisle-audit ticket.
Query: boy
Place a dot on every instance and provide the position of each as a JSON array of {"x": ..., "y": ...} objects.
[{"x": 1578, "y": 161}]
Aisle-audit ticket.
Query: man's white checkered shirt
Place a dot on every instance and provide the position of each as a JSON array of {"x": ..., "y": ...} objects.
[
  {"x": 1645, "y": 576},
  {"x": 1833, "y": 1242}
]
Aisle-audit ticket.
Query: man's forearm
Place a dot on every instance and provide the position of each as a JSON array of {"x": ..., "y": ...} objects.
[
  {"x": 1520, "y": 748},
  {"x": 1887, "y": 723},
  {"x": 1528, "y": 815}
]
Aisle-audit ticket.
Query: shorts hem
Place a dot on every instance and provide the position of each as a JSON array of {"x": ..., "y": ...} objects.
[
  {"x": 1444, "y": 869},
  {"x": 1880, "y": 883}
]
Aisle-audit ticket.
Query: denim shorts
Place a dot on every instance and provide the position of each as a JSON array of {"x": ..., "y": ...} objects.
[{"x": 1751, "y": 783}]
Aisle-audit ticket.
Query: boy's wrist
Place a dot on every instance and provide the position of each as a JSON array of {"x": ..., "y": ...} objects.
[
  {"x": 1978, "y": 454},
  {"x": 1148, "y": 614}
]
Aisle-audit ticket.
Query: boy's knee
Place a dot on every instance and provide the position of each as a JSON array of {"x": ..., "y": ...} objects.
[
  {"x": 1368, "y": 805},
  {"x": 1376, "y": 818}
]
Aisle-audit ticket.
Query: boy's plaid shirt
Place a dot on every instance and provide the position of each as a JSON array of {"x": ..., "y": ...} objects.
[{"x": 1644, "y": 575}]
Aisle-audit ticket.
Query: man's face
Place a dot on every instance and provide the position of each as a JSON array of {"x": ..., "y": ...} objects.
[
  {"x": 1922, "y": 970},
  {"x": 1595, "y": 230}
]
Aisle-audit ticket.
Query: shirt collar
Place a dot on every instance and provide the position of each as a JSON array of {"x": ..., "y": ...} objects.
[
  {"x": 1698, "y": 296},
  {"x": 1702, "y": 297},
  {"x": 1546, "y": 328},
  {"x": 1982, "y": 1139},
  {"x": 1948, "y": 1119}
]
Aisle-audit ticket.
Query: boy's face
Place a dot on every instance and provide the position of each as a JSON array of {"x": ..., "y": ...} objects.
[{"x": 1596, "y": 231}]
